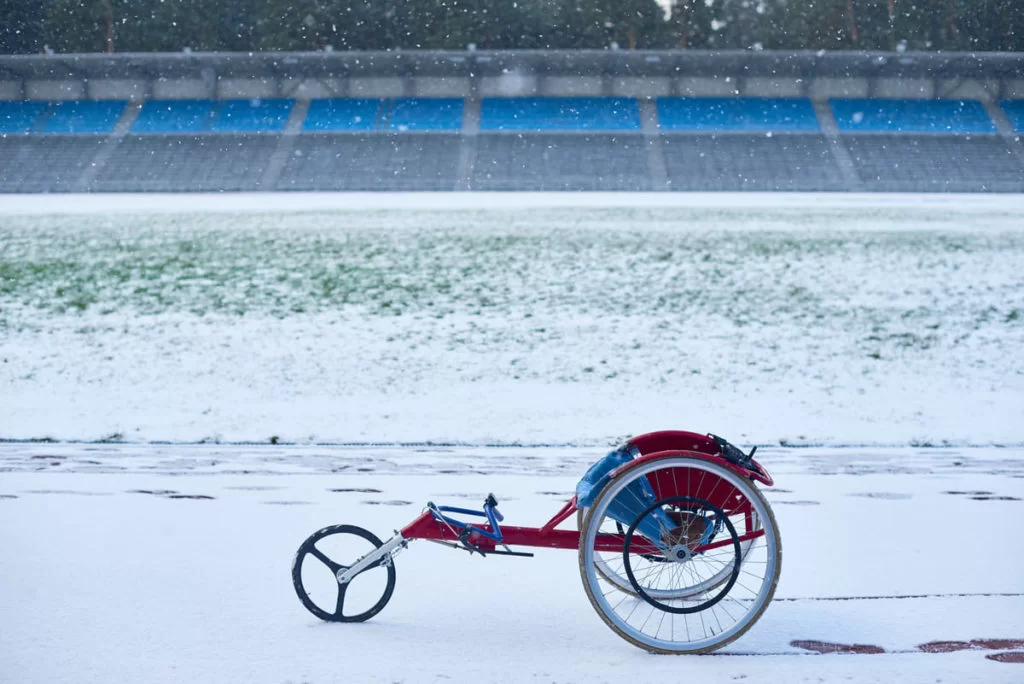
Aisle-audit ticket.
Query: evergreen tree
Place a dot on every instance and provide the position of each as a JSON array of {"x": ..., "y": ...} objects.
[
  {"x": 692, "y": 24},
  {"x": 243, "y": 25},
  {"x": 22, "y": 30}
]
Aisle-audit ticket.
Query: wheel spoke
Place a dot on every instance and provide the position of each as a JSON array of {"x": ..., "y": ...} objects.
[
  {"x": 342, "y": 588},
  {"x": 319, "y": 555}
]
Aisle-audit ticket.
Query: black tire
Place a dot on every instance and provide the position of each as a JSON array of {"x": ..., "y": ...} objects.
[{"x": 308, "y": 548}]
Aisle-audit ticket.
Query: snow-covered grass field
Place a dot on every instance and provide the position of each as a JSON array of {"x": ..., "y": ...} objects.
[{"x": 496, "y": 319}]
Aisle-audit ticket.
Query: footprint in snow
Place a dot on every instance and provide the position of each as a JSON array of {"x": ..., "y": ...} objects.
[
  {"x": 885, "y": 496},
  {"x": 830, "y": 647}
]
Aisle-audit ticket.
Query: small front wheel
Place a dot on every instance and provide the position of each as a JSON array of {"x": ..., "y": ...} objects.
[{"x": 328, "y": 553}]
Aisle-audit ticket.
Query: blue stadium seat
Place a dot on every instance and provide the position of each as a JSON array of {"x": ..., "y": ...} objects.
[
  {"x": 1014, "y": 110},
  {"x": 911, "y": 116},
  {"x": 84, "y": 116},
  {"x": 174, "y": 116},
  {"x": 20, "y": 117},
  {"x": 559, "y": 114},
  {"x": 342, "y": 114},
  {"x": 752, "y": 114},
  {"x": 425, "y": 114},
  {"x": 252, "y": 116}
]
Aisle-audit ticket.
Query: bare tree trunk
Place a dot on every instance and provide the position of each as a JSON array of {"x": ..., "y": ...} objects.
[
  {"x": 631, "y": 36},
  {"x": 108, "y": 12},
  {"x": 892, "y": 24},
  {"x": 954, "y": 28},
  {"x": 851, "y": 17},
  {"x": 681, "y": 7}
]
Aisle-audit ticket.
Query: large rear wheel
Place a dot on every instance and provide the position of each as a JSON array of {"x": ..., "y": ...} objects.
[{"x": 680, "y": 555}]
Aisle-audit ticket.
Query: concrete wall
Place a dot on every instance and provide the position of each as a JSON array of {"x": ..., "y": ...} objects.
[
  {"x": 707, "y": 86},
  {"x": 969, "y": 89},
  {"x": 641, "y": 87},
  {"x": 135, "y": 90},
  {"x": 247, "y": 88},
  {"x": 509, "y": 85},
  {"x": 514, "y": 83},
  {"x": 12, "y": 90},
  {"x": 183, "y": 89},
  {"x": 824, "y": 88},
  {"x": 1013, "y": 89},
  {"x": 903, "y": 88},
  {"x": 55, "y": 90},
  {"x": 772, "y": 87},
  {"x": 378, "y": 87},
  {"x": 313, "y": 88}
]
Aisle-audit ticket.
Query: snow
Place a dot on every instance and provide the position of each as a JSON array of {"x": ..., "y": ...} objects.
[
  {"x": 246, "y": 202},
  {"x": 103, "y": 583},
  {"x": 865, "y": 341},
  {"x": 771, "y": 319}
]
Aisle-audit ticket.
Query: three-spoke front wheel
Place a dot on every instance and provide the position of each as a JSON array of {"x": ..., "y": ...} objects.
[
  {"x": 328, "y": 553},
  {"x": 680, "y": 555}
]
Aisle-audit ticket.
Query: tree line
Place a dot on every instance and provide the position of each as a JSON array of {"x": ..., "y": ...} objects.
[{"x": 64, "y": 26}]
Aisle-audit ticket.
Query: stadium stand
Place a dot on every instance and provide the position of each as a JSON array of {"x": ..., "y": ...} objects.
[
  {"x": 174, "y": 116},
  {"x": 561, "y": 162},
  {"x": 186, "y": 163},
  {"x": 20, "y": 117},
  {"x": 1014, "y": 110},
  {"x": 36, "y": 163},
  {"x": 751, "y": 162},
  {"x": 342, "y": 114},
  {"x": 252, "y": 116},
  {"x": 935, "y": 163},
  {"x": 423, "y": 114},
  {"x": 403, "y": 161},
  {"x": 478, "y": 122},
  {"x": 748, "y": 114},
  {"x": 911, "y": 116},
  {"x": 559, "y": 114},
  {"x": 83, "y": 116}
]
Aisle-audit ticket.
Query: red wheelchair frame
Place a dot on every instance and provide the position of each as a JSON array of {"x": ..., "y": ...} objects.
[
  {"x": 690, "y": 505},
  {"x": 652, "y": 446}
]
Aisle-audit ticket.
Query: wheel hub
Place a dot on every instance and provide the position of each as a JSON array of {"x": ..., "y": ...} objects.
[
  {"x": 680, "y": 553},
  {"x": 338, "y": 575}
]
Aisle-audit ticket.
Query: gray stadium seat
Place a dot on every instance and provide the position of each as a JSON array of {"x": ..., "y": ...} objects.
[
  {"x": 561, "y": 162},
  {"x": 935, "y": 163},
  {"x": 191, "y": 162},
  {"x": 347, "y": 161},
  {"x": 52, "y": 163},
  {"x": 751, "y": 162}
]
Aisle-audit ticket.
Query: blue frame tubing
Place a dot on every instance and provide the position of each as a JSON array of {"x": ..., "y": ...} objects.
[{"x": 489, "y": 512}]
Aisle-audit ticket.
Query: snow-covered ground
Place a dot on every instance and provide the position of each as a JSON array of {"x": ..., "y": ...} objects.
[
  {"x": 107, "y": 577},
  {"x": 558, "y": 322},
  {"x": 772, "y": 319}
]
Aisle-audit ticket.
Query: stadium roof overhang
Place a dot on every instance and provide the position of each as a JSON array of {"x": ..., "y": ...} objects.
[{"x": 635, "y": 63}]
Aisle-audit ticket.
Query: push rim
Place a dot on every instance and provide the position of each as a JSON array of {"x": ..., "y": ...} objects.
[
  {"x": 603, "y": 567},
  {"x": 679, "y": 543}
]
